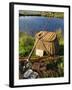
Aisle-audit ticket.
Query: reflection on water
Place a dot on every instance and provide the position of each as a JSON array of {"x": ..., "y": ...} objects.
[{"x": 33, "y": 24}]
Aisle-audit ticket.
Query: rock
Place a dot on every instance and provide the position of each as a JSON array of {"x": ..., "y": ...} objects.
[
  {"x": 34, "y": 75},
  {"x": 27, "y": 65},
  {"x": 30, "y": 74},
  {"x": 27, "y": 73}
]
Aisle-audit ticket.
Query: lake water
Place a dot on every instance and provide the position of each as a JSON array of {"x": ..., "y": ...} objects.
[{"x": 32, "y": 24}]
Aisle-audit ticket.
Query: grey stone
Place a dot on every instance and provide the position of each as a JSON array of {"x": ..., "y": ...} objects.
[
  {"x": 27, "y": 73},
  {"x": 34, "y": 75},
  {"x": 30, "y": 74},
  {"x": 28, "y": 65}
]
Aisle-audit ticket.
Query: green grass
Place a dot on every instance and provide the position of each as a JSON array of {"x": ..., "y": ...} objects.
[{"x": 26, "y": 43}]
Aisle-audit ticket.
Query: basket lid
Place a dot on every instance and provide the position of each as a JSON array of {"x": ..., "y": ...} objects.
[
  {"x": 50, "y": 36},
  {"x": 46, "y": 36}
]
